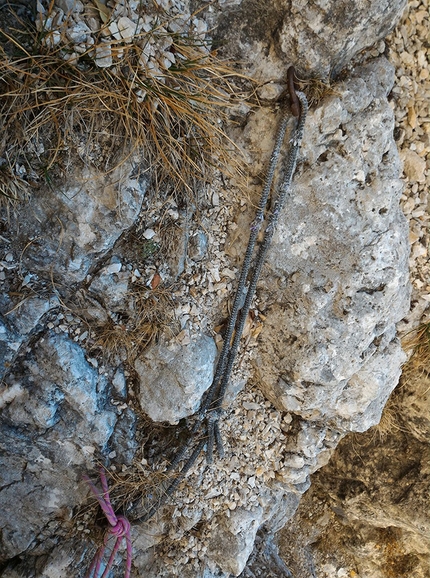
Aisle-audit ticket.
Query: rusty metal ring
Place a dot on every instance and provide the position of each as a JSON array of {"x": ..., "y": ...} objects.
[{"x": 292, "y": 85}]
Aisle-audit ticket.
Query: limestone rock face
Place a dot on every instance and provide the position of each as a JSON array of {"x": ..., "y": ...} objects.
[
  {"x": 325, "y": 36},
  {"x": 67, "y": 229},
  {"x": 327, "y": 357},
  {"x": 315, "y": 35},
  {"x": 54, "y": 420},
  {"x": 235, "y": 534},
  {"x": 173, "y": 378},
  {"x": 340, "y": 257},
  {"x": 234, "y": 542},
  {"x": 17, "y": 326}
]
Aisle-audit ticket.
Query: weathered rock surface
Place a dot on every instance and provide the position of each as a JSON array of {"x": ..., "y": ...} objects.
[
  {"x": 340, "y": 260},
  {"x": 378, "y": 506},
  {"x": 335, "y": 285},
  {"x": 67, "y": 229},
  {"x": 18, "y": 324},
  {"x": 10, "y": 342},
  {"x": 317, "y": 36},
  {"x": 55, "y": 420},
  {"x": 231, "y": 546},
  {"x": 234, "y": 537},
  {"x": 198, "y": 246},
  {"x": 325, "y": 36},
  {"x": 173, "y": 378},
  {"x": 111, "y": 286}
]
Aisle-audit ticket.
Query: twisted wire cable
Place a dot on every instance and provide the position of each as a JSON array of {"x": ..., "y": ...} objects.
[
  {"x": 211, "y": 406},
  {"x": 240, "y": 292},
  {"x": 265, "y": 244}
]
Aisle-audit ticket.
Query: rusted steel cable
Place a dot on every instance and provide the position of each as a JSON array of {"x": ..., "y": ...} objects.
[{"x": 210, "y": 409}]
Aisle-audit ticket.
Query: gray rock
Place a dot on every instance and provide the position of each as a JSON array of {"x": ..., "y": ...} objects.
[
  {"x": 173, "y": 378},
  {"x": 341, "y": 257},
  {"x": 233, "y": 543},
  {"x": 67, "y": 5},
  {"x": 119, "y": 384},
  {"x": 111, "y": 288},
  {"x": 18, "y": 324},
  {"x": 233, "y": 538},
  {"x": 315, "y": 35},
  {"x": 325, "y": 36},
  {"x": 52, "y": 425},
  {"x": 174, "y": 243},
  {"x": 27, "y": 315},
  {"x": 198, "y": 246},
  {"x": 363, "y": 399},
  {"x": 67, "y": 229},
  {"x": 10, "y": 342},
  {"x": 123, "y": 440},
  {"x": 61, "y": 561}
]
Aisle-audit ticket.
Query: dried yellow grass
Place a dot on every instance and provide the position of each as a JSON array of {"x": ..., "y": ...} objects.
[
  {"x": 52, "y": 111},
  {"x": 417, "y": 344},
  {"x": 152, "y": 316},
  {"x": 138, "y": 485},
  {"x": 316, "y": 89}
]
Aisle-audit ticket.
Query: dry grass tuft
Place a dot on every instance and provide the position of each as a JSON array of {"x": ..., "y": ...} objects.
[
  {"x": 316, "y": 89},
  {"x": 139, "y": 485},
  {"x": 417, "y": 343},
  {"x": 127, "y": 337},
  {"x": 52, "y": 110},
  {"x": 390, "y": 421},
  {"x": 13, "y": 188}
]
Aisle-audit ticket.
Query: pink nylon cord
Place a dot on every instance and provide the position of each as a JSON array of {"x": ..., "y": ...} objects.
[{"x": 120, "y": 528}]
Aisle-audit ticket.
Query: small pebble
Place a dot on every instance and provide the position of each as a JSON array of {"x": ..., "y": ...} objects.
[{"x": 149, "y": 234}]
